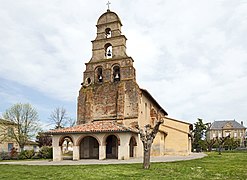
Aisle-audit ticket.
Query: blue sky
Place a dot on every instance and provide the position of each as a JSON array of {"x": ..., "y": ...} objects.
[{"x": 190, "y": 55}]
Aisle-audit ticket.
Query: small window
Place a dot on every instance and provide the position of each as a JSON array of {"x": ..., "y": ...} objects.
[
  {"x": 10, "y": 146},
  {"x": 10, "y": 131},
  {"x": 219, "y": 134},
  {"x": 227, "y": 134},
  {"x": 99, "y": 74},
  {"x": 235, "y": 135},
  {"x": 88, "y": 81},
  {"x": 116, "y": 74},
  {"x": 107, "y": 32}
]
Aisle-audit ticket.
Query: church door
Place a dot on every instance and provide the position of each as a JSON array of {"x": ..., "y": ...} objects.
[
  {"x": 111, "y": 147},
  {"x": 89, "y": 148}
]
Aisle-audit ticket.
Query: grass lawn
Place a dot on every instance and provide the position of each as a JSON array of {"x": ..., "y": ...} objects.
[{"x": 229, "y": 165}]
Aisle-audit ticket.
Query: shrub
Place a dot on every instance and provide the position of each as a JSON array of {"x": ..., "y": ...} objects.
[
  {"x": 45, "y": 152},
  {"x": 26, "y": 154},
  {"x": 4, "y": 155},
  {"x": 13, "y": 153}
]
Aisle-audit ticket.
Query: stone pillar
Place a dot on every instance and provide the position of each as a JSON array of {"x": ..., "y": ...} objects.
[
  {"x": 102, "y": 152},
  {"x": 123, "y": 151},
  {"x": 57, "y": 153},
  {"x": 76, "y": 153}
]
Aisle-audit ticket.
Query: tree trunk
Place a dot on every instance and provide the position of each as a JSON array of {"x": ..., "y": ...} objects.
[
  {"x": 21, "y": 148},
  {"x": 147, "y": 136},
  {"x": 146, "y": 158}
]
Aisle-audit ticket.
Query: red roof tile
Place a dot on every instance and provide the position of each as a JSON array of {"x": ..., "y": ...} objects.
[{"x": 93, "y": 127}]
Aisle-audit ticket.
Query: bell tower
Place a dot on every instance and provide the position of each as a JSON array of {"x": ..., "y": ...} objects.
[{"x": 109, "y": 90}]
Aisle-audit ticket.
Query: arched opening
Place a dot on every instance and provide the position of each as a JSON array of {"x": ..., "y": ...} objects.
[
  {"x": 111, "y": 147},
  {"x": 66, "y": 144},
  {"x": 88, "y": 81},
  {"x": 89, "y": 148},
  {"x": 99, "y": 74},
  {"x": 108, "y": 51},
  {"x": 107, "y": 32},
  {"x": 132, "y": 145},
  {"x": 116, "y": 73}
]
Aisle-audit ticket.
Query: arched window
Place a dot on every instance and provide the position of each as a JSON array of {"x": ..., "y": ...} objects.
[
  {"x": 116, "y": 73},
  {"x": 107, "y": 32},
  {"x": 88, "y": 81},
  {"x": 99, "y": 74},
  {"x": 108, "y": 51}
]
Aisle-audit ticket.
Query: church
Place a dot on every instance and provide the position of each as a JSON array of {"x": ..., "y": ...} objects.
[{"x": 111, "y": 104}]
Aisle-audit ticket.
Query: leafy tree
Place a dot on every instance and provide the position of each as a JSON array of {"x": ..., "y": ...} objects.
[
  {"x": 198, "y": 135},
  {"x": 59, "y": 117},
  {"x": 44, "y": 139},
  {"x": 25, "y": 120},
  {"x": 231, "y": 143}
]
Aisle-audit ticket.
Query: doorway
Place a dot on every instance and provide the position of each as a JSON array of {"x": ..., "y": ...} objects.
[{"x": 111, "y": 147}]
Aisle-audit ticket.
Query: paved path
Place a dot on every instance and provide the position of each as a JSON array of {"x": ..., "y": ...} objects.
[{"x": 167, "y": 158}]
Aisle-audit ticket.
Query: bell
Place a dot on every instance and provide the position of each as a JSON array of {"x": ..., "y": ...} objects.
[
  {"x": 117, "y": 76},
  {"x": 100, "y": 77},
  {"x": 109, "y": 53}
]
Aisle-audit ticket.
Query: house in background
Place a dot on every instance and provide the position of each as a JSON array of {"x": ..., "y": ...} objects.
[
  {"x": 32, "y": 145},
  {"x": 225, "y": 128},
  {"x": 6, "y": 142}
]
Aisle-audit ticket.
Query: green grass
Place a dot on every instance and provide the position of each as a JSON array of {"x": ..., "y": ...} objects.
[{"x": 232, "y": 165}]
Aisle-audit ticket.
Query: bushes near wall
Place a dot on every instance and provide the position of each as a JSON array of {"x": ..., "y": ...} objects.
[{"x": 44, "y": 153}]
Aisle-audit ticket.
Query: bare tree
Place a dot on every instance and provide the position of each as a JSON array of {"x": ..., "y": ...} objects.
[
  {"x": 24, "y": 120},
  {"x": 209, "y": 143},
  {"x": 71, "y": 122},
  {"x": 221, "y": 141},
  {"x": 59, "y": 117},
  {"x": 147, "y": 136}
]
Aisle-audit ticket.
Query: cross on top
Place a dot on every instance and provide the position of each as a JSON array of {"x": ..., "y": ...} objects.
[{"x": 108, "y": 5}]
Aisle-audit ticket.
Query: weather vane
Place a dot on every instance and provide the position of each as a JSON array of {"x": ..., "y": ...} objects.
[{"x": 108, "y": 5}]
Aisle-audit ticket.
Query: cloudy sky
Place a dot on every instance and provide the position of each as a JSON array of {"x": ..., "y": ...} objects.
[{"x": 191, "y": 55}]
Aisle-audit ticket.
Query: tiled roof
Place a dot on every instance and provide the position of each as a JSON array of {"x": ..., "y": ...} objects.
[
  {"x": 95, "y": 127},
  {"x": 221, "y": 124}
]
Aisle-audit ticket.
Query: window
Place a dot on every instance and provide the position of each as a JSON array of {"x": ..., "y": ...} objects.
[
  {"x": 214, "y": 135},
  {"x": 116, "y": 74},
  {"x": 235, "y": 134},
  {"x": 108, "y": 51},
  {"x": 107, "y": 32},
  {"x": 88, "y": 81},
  {"x": 10, "y": 131},
  {"x": 227, "y": 134},
  {"x": 99, "y": 74},
  {"x": 219, "y": 135},
  {"x": 10, "y": 146}
]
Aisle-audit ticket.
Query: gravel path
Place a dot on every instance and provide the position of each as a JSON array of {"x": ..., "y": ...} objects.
[{"x": 167, "y": 158}]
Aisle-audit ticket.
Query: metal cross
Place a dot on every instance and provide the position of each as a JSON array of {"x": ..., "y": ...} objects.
[{"x": 108, "y": 4}]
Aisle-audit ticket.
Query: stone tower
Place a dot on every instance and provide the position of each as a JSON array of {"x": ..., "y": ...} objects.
[{"x": 109, "y": 90}]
